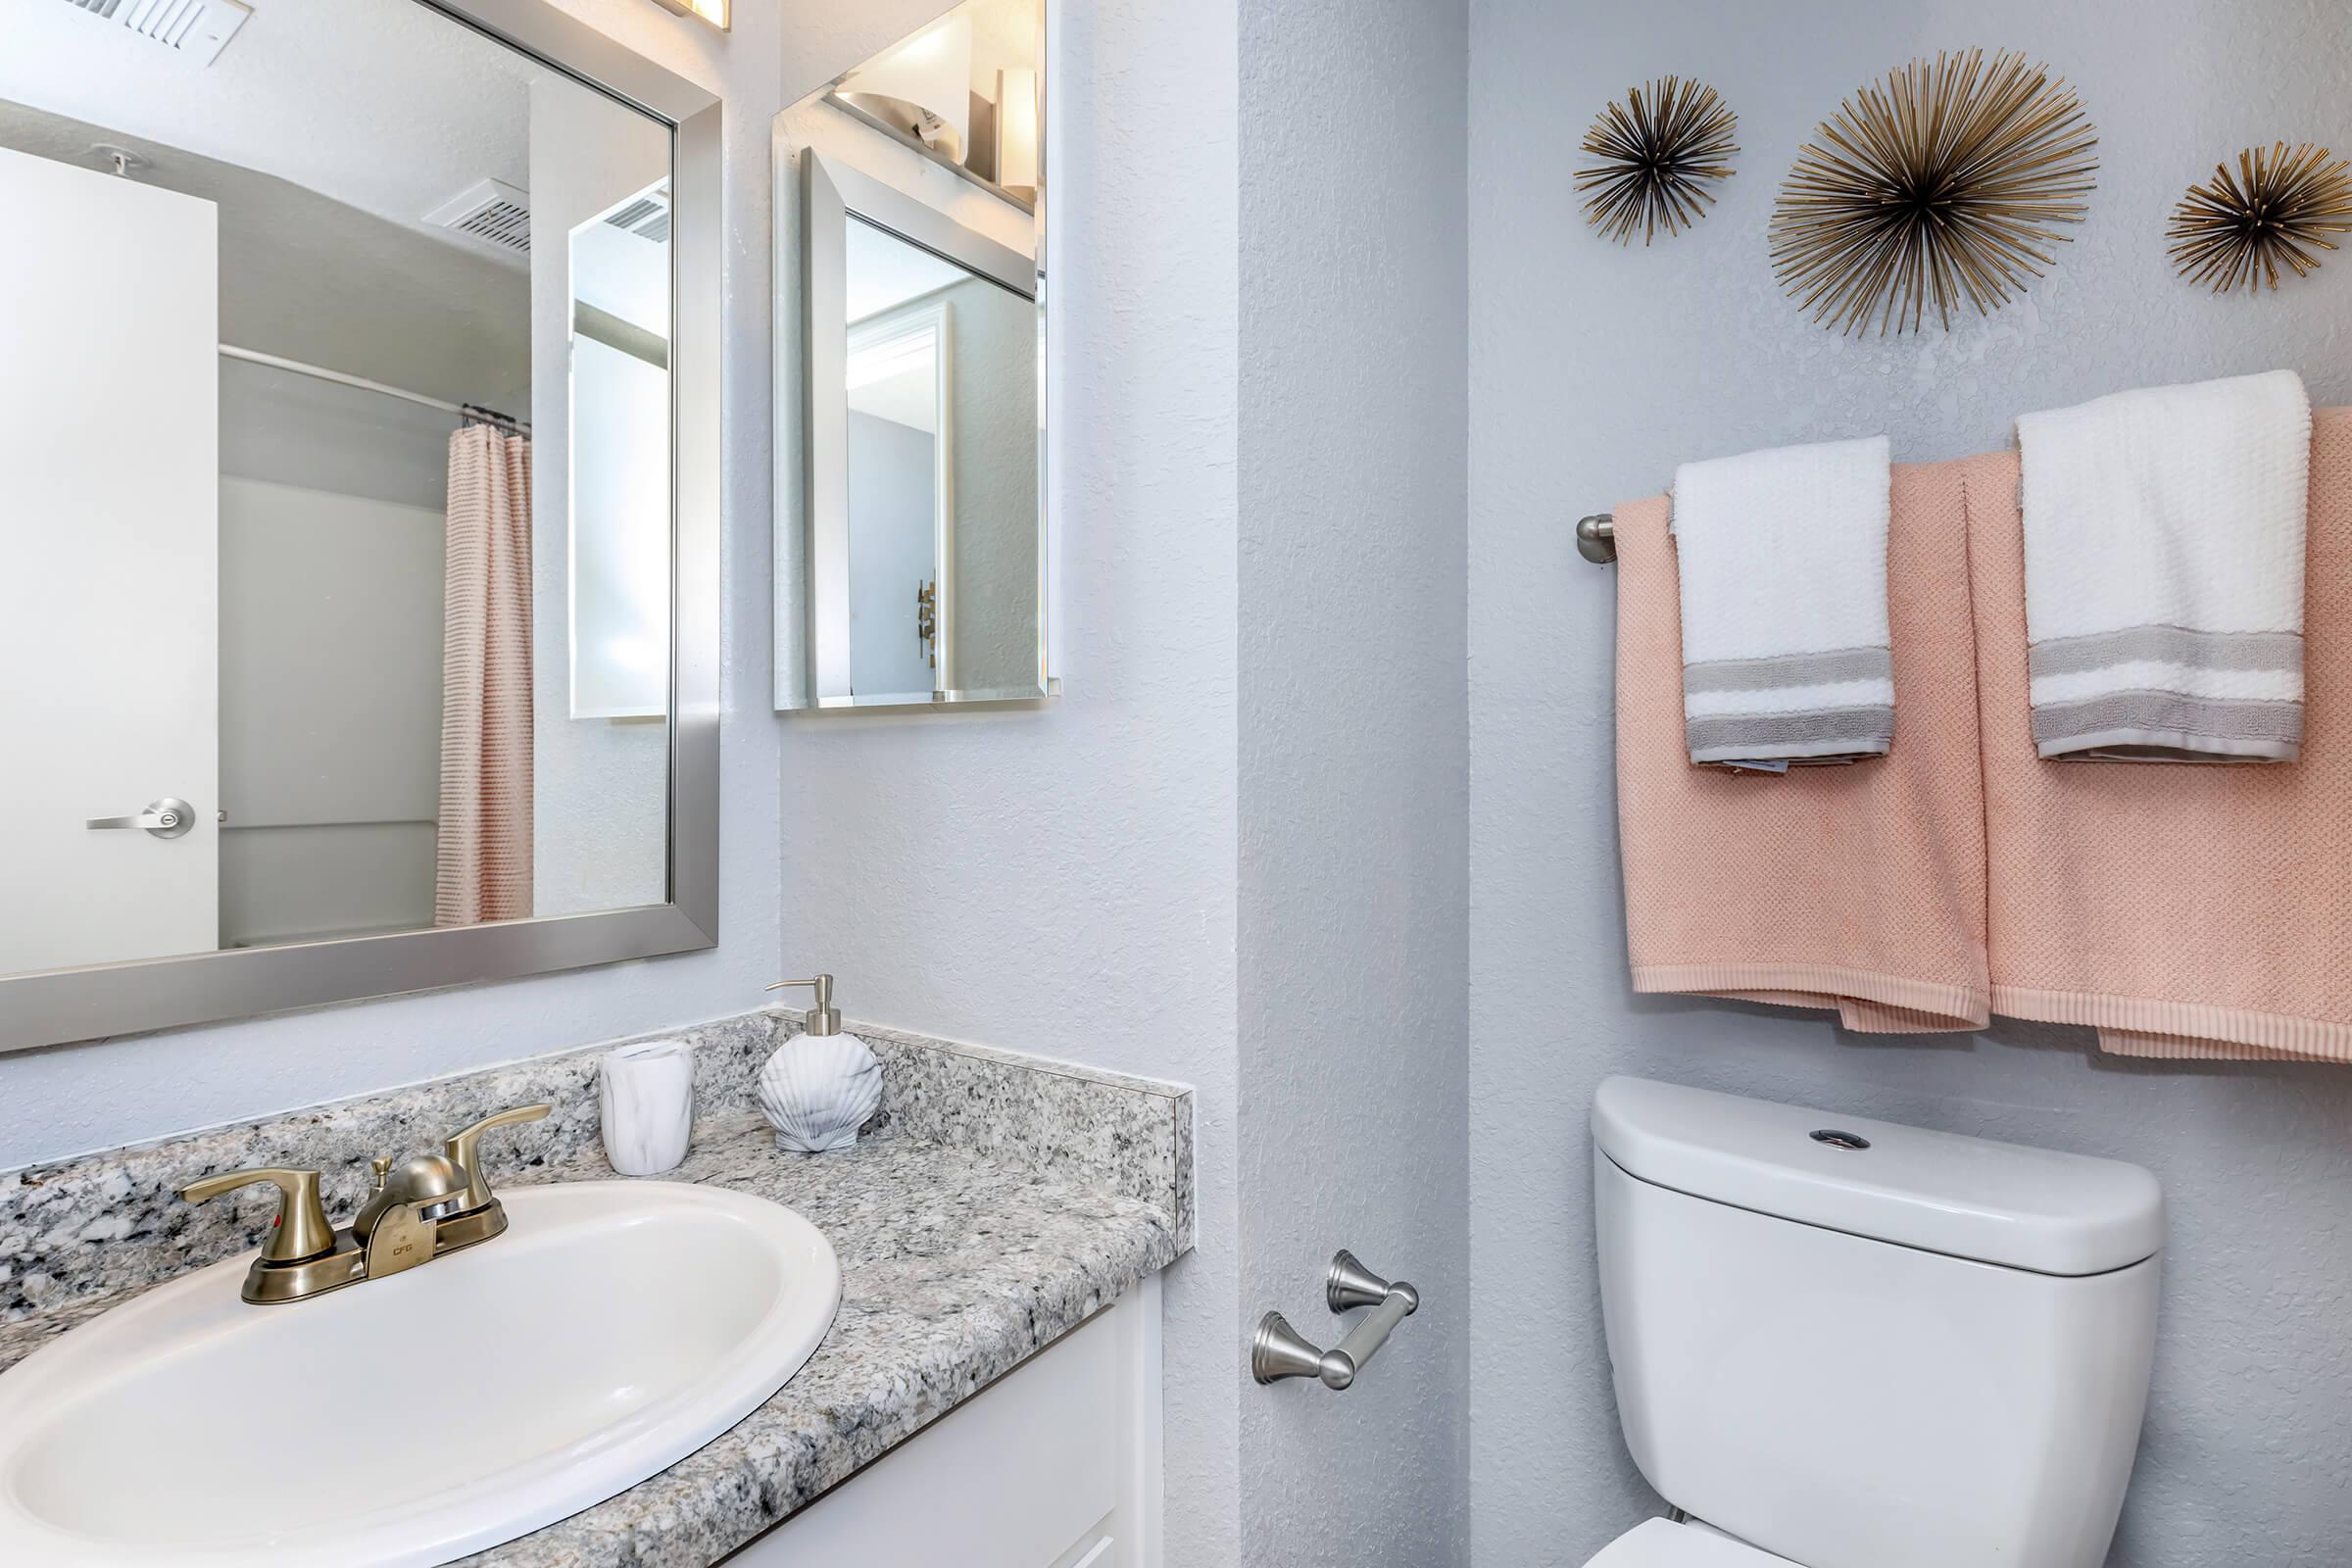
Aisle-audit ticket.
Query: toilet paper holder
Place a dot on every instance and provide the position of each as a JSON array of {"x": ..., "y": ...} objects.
[{"x": 1280, "y": 1351}]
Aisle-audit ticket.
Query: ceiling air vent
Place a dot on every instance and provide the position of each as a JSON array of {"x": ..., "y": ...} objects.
[
  {"x": 647, "y": 218},
  {"x": 490, "y": 210},
  {"x": 199, "y": 29}
]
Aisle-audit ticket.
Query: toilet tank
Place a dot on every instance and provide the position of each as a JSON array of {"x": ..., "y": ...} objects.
[{"x": 1858, "y": 1345}]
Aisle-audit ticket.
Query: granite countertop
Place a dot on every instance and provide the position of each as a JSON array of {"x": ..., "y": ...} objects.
[{"x": 957, "y": 1266}]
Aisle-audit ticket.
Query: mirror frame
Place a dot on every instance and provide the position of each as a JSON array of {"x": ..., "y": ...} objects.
[
  {"x": 832, "y": 194},
  {"x": 61, "y": 1006}
]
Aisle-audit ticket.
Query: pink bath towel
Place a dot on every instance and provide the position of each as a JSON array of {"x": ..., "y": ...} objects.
[
  {"x": 1858, "y": 888},
  {"x": 2184, "y": 911}
]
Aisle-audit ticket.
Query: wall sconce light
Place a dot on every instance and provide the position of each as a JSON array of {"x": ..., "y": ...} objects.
[
  {"x": 922, "y": 86},
  {"x": 1016, "y": 131},
  {"x": 714, "y": 12}
]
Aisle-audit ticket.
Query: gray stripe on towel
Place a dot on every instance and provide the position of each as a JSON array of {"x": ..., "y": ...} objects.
[
  {"x": 1845, "y": 729},
  {"x": 2169, "y": 644},
  {"x": 1788, "y": 669},
  {"x": 2241, "y": 720}
]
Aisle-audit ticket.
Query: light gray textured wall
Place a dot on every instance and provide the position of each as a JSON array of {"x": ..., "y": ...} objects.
[
  {"x": 71, "y": 1098},
  {"x": 1354, "y": 898},
  {"x": 1593, "y": 371},
  {"x": 1062, "y": 878}
]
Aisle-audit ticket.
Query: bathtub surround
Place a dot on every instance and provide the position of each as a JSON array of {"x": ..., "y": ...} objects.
[
  {"x": 330, "y": 703},
  {"x": 645, "y": 1104},
  {"x": 90, "y": 1229},
  {"x": 1594, "y": 372}
]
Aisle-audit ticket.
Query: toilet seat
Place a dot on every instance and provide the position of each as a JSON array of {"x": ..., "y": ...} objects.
[{"x": 1663, "y": 1544}]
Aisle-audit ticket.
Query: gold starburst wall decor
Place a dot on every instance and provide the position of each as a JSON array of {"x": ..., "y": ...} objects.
[
  {"x": 1938, "y": 186},
  {"x": 1658, "y": 152},
  {"x": 2238, "y": 230}
]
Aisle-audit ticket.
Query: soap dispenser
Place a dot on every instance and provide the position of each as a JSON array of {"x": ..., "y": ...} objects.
[{"x": 820, "y": 1085}]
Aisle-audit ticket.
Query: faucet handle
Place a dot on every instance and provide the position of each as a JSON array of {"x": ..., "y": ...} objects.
[
  {"x": 464, "y": 1149},
  {"x": 300, "y": 1232}
]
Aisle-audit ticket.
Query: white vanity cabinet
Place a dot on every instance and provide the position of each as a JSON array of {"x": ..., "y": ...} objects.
[{"x": 1055, "y": 1466}]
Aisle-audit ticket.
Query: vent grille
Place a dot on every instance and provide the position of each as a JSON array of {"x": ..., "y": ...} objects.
[
  {"x": 490, "y": 210},
  {"x": 499, "y": 223},
  {"x": 647, "y": 218},
  {"x": 196, "y": 29}
]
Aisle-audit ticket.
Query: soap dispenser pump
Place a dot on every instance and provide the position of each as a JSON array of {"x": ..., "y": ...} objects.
[{"x": 820, "y": 1085}]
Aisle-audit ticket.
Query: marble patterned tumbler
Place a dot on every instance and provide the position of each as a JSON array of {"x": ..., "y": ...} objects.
[{"x": 644, "y": 1094}]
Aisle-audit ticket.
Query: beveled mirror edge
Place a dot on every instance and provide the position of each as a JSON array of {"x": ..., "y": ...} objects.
[
  {"x": 825, "y": 186},
  {"x": 67, "y": 1005}
]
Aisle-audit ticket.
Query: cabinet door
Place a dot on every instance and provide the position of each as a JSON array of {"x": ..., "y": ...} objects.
[{"x": 1053, "y": 1466}]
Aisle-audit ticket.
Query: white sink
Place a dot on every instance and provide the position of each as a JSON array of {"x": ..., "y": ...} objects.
[{"x": 613, "y": 1330}]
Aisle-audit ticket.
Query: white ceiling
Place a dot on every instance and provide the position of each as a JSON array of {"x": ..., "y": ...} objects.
[{"x": 384, "y": 105}]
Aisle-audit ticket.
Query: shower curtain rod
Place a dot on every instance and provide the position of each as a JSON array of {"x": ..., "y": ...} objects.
[{"x": 465, "y": 411}]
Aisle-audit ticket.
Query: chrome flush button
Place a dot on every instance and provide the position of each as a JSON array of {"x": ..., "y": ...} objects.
[{"x": 1838, "y": 1140}]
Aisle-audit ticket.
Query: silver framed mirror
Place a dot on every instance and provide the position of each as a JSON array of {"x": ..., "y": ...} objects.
[
  {"x": 920, "y": 574},
  {"x": 340, "y": 846}
]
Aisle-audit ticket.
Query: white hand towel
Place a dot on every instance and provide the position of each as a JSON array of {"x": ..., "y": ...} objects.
[
  {"x": 2163, "y": 571},
  {"x": 1782, "y": 562}
]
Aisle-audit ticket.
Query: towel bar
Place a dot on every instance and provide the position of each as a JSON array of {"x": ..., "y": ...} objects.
[
  {"x": 1597, "y": 538},
  {"x": 1281, "y": 1352}
]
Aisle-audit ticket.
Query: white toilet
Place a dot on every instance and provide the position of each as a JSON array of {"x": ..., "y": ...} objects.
[{"x": 1846, "y": 1343}]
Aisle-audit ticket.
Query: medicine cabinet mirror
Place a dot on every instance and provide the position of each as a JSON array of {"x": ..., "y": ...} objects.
[
  {"x": 918, "y": 571},
  {"x": 359, "y": 571}
]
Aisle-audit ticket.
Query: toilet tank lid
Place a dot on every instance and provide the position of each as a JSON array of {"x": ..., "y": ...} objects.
[{"x": 2004, "y": 1204}]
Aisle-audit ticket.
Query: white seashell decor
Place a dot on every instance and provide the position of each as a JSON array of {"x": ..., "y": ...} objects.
[{"x": 817, "y": 1090}]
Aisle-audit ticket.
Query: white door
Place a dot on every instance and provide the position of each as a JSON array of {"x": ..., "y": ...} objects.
[{"x": 109, "y": 564}]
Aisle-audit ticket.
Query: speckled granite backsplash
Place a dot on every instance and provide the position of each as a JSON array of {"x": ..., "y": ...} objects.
[{"x": 108, "y": 1221}]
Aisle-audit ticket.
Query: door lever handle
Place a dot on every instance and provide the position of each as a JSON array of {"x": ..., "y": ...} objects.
[{"x": 165, "y": 819}]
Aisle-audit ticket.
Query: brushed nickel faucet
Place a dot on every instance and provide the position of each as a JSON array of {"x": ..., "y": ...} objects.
[{"x": 428, "y": 1205}]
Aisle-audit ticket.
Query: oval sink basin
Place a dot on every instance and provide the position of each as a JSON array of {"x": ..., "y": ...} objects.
[{"x": 613, "y": 1330}]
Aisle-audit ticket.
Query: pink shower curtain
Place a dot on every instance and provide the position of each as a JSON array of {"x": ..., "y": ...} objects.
[{"x": 482, "y": 868}]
